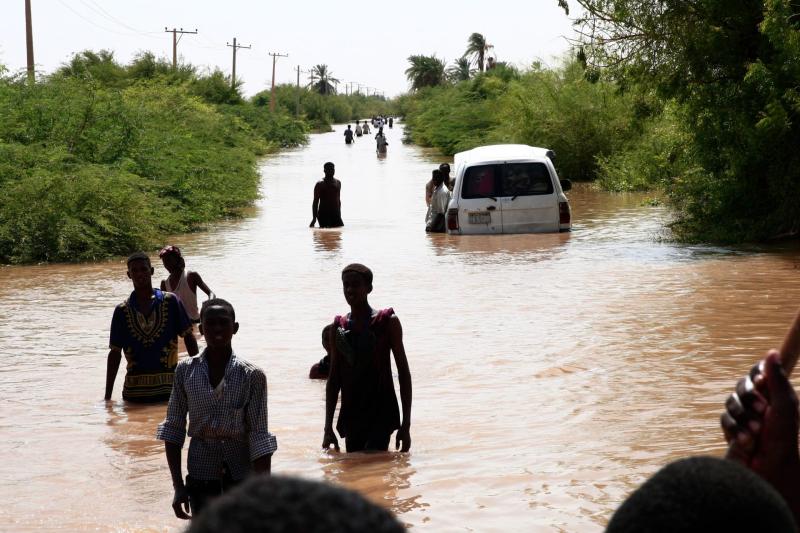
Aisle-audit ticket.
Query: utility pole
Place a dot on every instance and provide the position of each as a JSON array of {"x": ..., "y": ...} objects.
[
  {"x": 233, "y": 71},
  {"x": 175, "y": 40},
  {"x": 275, "y": 56},
  {"x": 29, "y": 41},
  {"x": 297, "y": 96}
]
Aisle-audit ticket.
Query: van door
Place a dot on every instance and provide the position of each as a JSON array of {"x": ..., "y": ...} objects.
[
  {"x": 527, "y": 198},
  {"x": 478, "y": 205}
]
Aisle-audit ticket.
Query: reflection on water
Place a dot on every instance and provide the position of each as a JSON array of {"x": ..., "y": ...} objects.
[
  {"x": 552, "y": 373},
  {"x": 384, "y": 478},
  {"x": 327, "y": 240}
]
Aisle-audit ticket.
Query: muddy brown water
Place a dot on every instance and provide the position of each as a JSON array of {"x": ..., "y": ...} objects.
[{"x": 552, "y": 373}]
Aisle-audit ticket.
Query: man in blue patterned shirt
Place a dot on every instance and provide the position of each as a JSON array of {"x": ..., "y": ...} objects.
[
  {"x": 146, "y": 327},
  {"x": 226, "y": 400}
]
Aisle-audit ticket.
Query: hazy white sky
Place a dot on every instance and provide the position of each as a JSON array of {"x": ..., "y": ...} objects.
[{"x": 360, "y": 41}]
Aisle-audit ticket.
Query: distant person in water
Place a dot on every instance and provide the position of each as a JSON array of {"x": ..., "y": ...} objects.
[
  {"x": 145, "y": 327},
  {"x": 365, "y": 128},
  {"x": 327, "y": 205},
  {"x": 391, "y": 122},
  {"x": 380, "y": 141},
  {"x": 182, "y": 282},
  {"x": 437, "y": 210},
  {"x": 348, "y": 135},
  {"x": 361, "y": 369},
  {"x": 358, "y": 130},
  {"x": 322, "y": 369}
]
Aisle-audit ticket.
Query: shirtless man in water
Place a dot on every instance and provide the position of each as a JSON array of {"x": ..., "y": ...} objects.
[{"x": 327, "y": 206}]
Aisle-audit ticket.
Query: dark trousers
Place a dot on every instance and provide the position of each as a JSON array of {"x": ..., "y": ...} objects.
[
  {"x": 201, "y": 492},
  {"x": 367, "y": 443}
]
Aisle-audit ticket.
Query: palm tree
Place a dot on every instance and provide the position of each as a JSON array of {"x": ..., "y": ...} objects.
[
  {"x": 476, "y": 48},
  {"x": 322, "y": 80},
  {"x": 425, "y": 71},
  {"x": 461, "y": 70}
]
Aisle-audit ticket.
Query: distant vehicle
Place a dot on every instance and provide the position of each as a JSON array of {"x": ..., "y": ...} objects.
[{"x": 507, "y": 188}]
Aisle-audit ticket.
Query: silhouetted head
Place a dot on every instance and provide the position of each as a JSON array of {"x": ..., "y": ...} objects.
[
  {"x": 445, "y": 168},
  {"x": 702, "y": 494},
  {"x": 172, "y": 259},
  {"x": 326, "y": 334},
  {"x": 280, "y": 504},
  {"x": 438, "y": 177},
  {"x": 356, "y": 283},
  {"x": 329, "y": 169}
]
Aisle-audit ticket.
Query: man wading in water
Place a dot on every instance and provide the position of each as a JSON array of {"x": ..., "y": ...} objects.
[
  {"x": 362, "y": 370},
  {"x": 146, "y": 326},
  {"x": 327, "y": 205}
]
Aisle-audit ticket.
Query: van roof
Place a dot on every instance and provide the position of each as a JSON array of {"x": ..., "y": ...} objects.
[{"x": 500, "y": 152}]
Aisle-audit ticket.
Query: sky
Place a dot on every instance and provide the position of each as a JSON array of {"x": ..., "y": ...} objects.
[{"x": 364, "y": 42}]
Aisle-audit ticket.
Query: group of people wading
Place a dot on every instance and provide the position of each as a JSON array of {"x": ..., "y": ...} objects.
[
  {"x": 224, "y": 396},
  {"x": 360, "y": 130}
]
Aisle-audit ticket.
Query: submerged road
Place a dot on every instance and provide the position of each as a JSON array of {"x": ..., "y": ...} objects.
[{"x": 551, "y": 373}]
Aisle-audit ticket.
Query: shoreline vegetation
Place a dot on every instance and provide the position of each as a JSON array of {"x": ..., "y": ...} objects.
[
  {"x": 98, "y": 159},
  {"x": 699, "y": 105}
]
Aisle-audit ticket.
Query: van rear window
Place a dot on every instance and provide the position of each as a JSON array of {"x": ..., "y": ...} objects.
[{"x": 508, "y": 179}]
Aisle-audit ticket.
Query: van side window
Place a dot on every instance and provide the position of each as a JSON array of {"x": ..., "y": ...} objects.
[
  {"x": 525, "y": 179},
  {"x": 479, "y": 182}
]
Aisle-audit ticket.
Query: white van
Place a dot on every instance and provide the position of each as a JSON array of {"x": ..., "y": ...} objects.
[{"x": 507, "y": 188}]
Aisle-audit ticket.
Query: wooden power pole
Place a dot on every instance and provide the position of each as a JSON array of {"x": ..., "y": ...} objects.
[
  {"x": 275, "y": 56},
  {"x": 29, "y": 41},
  {"x": 175, "y": 40},
  {"x": 297, "y": 96},
  {"x": 233, "y": 71}
]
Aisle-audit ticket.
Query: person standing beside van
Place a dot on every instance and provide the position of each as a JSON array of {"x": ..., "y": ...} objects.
[
  {"x": 444, "y": 168},
  {"x": 437, "y": 210}
]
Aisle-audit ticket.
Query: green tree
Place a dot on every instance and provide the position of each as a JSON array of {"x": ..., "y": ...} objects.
[
  {"x": 733, "y": 67},
  {"x": 461, "y": 70},
  {"x": 425, "y": 71},
  {"x": 324, "y": 80},
  {"x": 476, "y": 49}
]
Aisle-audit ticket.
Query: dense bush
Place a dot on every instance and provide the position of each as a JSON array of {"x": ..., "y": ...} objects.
[{"x": 99, "y": 159}]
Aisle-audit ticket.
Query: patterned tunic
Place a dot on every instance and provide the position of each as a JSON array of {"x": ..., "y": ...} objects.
[{"x": 150, "y": 345}]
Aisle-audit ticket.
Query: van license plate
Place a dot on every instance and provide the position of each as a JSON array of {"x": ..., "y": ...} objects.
[{"x": 480, "y": 217}]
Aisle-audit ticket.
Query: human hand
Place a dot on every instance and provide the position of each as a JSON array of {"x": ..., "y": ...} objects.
[
  {"x": 403, "y": 436},
  {"x": 761, "y": 426},
  {"x": 330, "y": 438},
  {"x": 180, "y": 503}
]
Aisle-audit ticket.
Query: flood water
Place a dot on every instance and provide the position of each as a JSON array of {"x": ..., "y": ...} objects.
[{"x": 551, "y": 373}]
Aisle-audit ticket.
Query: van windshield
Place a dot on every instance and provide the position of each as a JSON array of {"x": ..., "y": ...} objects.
[{"x": 506, "y": 179}]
